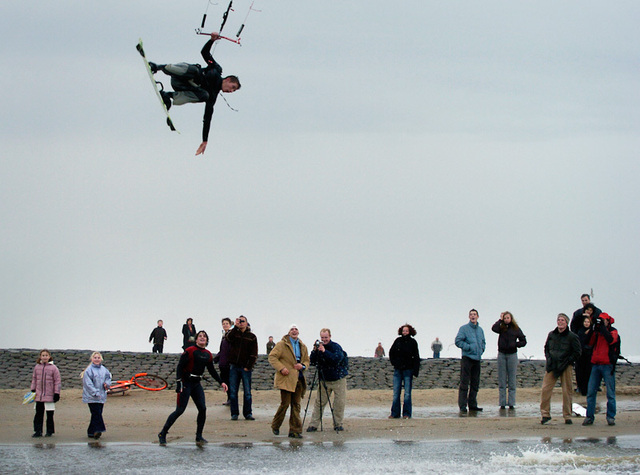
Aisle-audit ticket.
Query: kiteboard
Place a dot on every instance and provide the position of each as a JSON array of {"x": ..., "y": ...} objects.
[{"x": 155, "y": 85}]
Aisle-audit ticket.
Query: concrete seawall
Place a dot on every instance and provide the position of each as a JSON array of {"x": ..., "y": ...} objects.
[{"x": 16, "y": 367}]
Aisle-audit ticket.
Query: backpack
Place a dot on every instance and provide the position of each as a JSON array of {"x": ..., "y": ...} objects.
[{"x": 614, "y": 351}]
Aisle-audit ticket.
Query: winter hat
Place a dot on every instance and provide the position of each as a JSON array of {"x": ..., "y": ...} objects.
[
  {"x": 293, "y": 325},
  {"x": 606, "y": 316}
]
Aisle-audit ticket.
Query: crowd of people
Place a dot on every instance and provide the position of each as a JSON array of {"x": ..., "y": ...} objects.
[{"x": 587, "y": 344}]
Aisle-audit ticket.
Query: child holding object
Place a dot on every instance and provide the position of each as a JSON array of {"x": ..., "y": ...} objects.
[
  {"x": 45, "y": 383},
  {"x": 96, "y": 379}
]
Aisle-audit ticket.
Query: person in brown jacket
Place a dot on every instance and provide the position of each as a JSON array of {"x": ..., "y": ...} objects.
[{"x": 290, "y": 359}]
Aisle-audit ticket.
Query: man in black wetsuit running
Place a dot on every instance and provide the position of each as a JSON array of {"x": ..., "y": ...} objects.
[
  {"x": 191, "y": 83},
  {"x": 191, "y": 367}
]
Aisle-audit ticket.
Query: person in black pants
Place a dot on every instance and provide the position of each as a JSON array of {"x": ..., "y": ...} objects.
[{"x": 190, "y": 370}]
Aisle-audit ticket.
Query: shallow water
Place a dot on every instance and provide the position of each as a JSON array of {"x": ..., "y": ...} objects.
[
  {"x": 531, "y": 409},
  {"x": 619, "y": 455}
]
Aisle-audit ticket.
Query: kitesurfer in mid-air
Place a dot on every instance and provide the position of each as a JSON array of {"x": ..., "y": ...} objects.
[{"x": 192, "y": 83}]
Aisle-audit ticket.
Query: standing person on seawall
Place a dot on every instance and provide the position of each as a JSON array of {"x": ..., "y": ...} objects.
[
  {"x": 194, "y": 360},
  {"x": 222, "y": 358},
  {"x": 188, "y": 334},
  {"x": 290, "y": 358},
  {"x": 158, "y": 335},
  {"x": 333, "y": 368},
  {"x": 603, "y": 360},
  {"x": 509, "y": 340},
  {"x": 191, "y": 83},
  {"x": 436, "y": 347},
  {"x": 270, "y": 345},
  {"x": 96, "y": 379},
  {"x": 45, "y": 382},
  {"x": 561, "y": 350},
  {"x": 404, "y": 356},
  {"x": 578, "y": 315},
  {"x": 243, "y": 353},
  {"x": 470, "y": 339}
]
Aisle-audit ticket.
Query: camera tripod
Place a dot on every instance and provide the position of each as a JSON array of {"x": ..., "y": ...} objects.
[{"x": 322, "y": 384}]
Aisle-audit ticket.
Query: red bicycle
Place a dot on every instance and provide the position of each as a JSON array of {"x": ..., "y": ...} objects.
[{"x": 150, "y": 382}]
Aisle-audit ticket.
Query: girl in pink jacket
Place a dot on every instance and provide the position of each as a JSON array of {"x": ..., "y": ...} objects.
[{"x": 45, "y": 382}]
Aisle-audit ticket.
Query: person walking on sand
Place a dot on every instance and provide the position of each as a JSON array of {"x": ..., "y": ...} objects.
[
  {"x": 96, "y": 380},
  {"x": 470, "y": 339},
  {"x": 45, "y": 382},
  {"x": 404, "y": 356},
  {"x": 193, "y": 361},
  {"x": 290, "y": 358},
  {"x": 561, "y": 350},
  {"x": 511, "y": 338}
]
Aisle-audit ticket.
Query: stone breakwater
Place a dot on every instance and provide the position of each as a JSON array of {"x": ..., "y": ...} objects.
[{"x": 16, "y": 367}]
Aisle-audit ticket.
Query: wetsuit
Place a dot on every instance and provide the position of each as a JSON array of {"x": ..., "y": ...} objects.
[{"x": 191, "y": 367}]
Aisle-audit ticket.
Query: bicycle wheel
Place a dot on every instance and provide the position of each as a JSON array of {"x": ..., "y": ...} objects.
[
  {"x": 118, "y": 388},
  {"x": 150, "y": 382}
]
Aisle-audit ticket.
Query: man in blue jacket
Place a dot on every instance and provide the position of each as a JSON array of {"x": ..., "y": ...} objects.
[
  {"x": 470, "y": 340},
  {"x": 333, "y": 367}
]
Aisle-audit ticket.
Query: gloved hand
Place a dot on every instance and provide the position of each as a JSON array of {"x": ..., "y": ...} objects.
[
  {"x": 178, "y": 386},
  {"x": 56, "y": 397}
]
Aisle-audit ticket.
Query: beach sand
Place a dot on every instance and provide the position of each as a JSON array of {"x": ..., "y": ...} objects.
[{"x": 139, "y": 415}]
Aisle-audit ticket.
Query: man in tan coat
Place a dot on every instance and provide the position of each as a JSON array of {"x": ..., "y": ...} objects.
[{"x": 290, "y": 359}]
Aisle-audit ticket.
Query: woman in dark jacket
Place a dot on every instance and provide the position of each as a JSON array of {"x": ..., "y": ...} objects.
[
  {"x": 583, "y": 365},
  {"x": 405, "y": 358},
  {"x": 188, "y": 334},
  {"x": 511, "y": 338}
]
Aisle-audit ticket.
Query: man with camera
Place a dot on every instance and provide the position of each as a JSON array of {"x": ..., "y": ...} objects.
[
  {"x": 588, "y": 309},
  {"x": 332, "y": 368},
  {"x": 604, "y": 339}
]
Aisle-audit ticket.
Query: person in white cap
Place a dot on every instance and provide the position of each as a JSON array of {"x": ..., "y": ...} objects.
[{"x": 290, "y": 359}]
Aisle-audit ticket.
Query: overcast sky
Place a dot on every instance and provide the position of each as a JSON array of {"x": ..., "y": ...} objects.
[{"x": 391, "y": 162}]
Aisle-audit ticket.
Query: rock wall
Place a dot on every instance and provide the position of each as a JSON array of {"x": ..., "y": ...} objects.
[{"x": 16, "y": 367}]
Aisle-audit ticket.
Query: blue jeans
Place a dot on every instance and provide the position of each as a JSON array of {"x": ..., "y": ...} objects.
[
  {"x": 598, "y": 373},
  {"x": 401, "y": 376},
  {"x": 236, "y": 374}
]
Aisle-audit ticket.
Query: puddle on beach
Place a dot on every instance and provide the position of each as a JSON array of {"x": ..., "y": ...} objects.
[{"x": 619, "y": 455}]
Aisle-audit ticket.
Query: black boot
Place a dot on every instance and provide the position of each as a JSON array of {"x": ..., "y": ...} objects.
[{"x": 166, "y": 98}]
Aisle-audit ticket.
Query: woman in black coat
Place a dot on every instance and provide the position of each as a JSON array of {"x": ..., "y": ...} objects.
[
  {"x": 405, "y": 358},
  {"x": 188, "y": 334}
]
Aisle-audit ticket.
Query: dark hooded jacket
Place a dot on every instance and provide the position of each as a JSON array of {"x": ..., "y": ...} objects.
[
  {"x": 404, "y": 354},
  {"x": 561, "y": 349}
]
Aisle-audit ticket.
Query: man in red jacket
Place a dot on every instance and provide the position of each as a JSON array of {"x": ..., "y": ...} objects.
[{"x": 603, "y": 338}]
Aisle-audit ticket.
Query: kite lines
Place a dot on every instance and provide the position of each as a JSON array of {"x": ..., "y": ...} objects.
[{"x": 225, "y": 17}]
